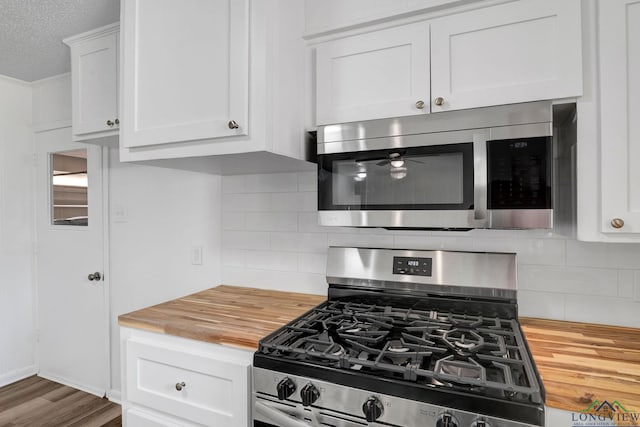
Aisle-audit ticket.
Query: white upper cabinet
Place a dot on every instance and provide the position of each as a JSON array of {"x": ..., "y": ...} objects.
[
  {"x": 516, "y": 52},
  {"x": 619, "y": 33},
  {"x": 477, "y": 56},
  {"x": 94, "y": 83},
  {"x": 374, "y": 75},
  {"x": 185, "y": 71}
]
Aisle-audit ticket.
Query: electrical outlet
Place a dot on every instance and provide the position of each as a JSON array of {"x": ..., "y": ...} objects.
[
  {"x": 196, "y": 255},
  {"x": 120, "y": 214}
]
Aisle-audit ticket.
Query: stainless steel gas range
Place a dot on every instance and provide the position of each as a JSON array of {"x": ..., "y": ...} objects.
[{"x": 406, "y": 338}]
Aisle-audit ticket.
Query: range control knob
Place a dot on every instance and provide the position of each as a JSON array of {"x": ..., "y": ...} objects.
[
  {"x": 480, "y": 423},
  {"x": 372, "y": 409},
  {"x": 286, "y": 388},
  {"x": 309, "y": 394},
  {"x": 447, "y": 420}
]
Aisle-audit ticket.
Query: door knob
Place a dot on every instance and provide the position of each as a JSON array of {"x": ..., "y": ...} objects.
[
  {"x": 95, "y": 276},
  {"x": 233, "y": 124},
  {"x": 110, "y": 123},
  {"x": 420, "y": 105},
  {"x": 439, "y": 100}
]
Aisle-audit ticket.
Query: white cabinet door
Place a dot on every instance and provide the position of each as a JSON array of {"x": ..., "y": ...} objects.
[
  {"x": 201, "y": 383},
  {"x": 520, "y": 51},
  {"x": 619, "y": 33},
  {"x": 94, "y": 84},
  {"x": 185, "y": 70},
  {"x": 374, "y": 75}
]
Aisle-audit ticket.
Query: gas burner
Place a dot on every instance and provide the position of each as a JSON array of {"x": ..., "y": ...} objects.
[
  {"x": 366, "y": 332},
  {"x": 397, "y": 346},
  {"x": 463, "y": 342},
  {"x": 465, "y": 320},
  {"x": 469, "y": 372}
]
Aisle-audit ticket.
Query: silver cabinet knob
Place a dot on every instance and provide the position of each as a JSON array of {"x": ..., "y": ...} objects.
[
  {"x": 233, "y": 124},
  {"x": 420, "y": 105},
  {"x": 95, "y": 276},
  {"x": 110, "y": 123},
  {"x": 439, "y": 100},
  {"x": 617, "y": 223},
  {"x": 180, "y": 386},
  {"x": 117, "y": 121}
]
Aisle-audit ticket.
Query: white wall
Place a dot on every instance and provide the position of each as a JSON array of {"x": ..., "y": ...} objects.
[
  {"x": 157, "y": 216},
  {"x": 271, "y": 239},
  {"x": 16, "y": 237}
]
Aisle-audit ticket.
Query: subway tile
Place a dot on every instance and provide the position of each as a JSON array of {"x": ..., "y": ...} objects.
[
  {"x": 272, "y": 260},
  {"x": 312, "y": 242},
  {"x": 233, "y": 184},
  {"x": 627, "y": 255},
  {"x": 254, "y": 202},
  {"x": 308, "y": 202},
  {"x": 245, "y": 240},
  {"x": 568, "y": 280},
  {"x": 588, "y": 254},
  {"x": 290, "y": 281},
  {"x": 307, "y": 181},
  {"x": 606, "y": 310},
  {"x": 233, "y": 220},
  {"x": 234, "y": 257},
  {"x": 361, "y": 240},
  {"x": 272, "y": 182},
  {"x": 272, "y": 221},
  {"x": 284, "y": 241},
  {"x": 541, "y": 304},
  {"x": 425, "y": 241},
  {"x": 312, "y": 263},
  {"x": 625, "y": 283},
  {"x": 286, "y": 202}
]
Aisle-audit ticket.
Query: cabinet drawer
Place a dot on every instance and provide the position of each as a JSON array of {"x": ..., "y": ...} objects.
[{"x": 215, "y": 390}]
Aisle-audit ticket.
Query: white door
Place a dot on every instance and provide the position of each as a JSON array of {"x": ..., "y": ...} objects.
[
  {"x": 620, "y": 109},
  {"x": 185, "y": 70},
  {"x": 515, "y": 52},
  {"x": 374, "y": 75},
  {"x": 72, "y": 319}
]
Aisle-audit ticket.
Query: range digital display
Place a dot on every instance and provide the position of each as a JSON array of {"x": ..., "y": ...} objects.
[{"x": 412, "y": 266}]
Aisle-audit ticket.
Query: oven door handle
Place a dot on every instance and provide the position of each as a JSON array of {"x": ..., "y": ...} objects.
[
  {"x": 277, "y": 416},
  {"x": 480, "y": 186}
]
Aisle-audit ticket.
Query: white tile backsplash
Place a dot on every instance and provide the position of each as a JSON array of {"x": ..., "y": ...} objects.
[{"x": 271, "y": 239}]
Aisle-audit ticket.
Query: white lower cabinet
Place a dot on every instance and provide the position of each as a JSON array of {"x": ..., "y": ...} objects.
[{"x": 171, "y": 381}]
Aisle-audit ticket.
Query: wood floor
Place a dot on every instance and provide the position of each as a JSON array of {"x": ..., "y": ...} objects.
[{"x": 36, "y": 402}]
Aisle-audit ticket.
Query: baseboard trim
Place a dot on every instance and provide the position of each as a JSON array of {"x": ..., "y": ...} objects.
[
  {"x": 89, "y": 389},
  {"x": 115, "y": 396},
  {"x": 17, "y": 375}
]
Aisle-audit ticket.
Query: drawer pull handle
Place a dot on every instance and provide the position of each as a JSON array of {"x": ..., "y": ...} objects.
[{"x": 180, "y": 386}]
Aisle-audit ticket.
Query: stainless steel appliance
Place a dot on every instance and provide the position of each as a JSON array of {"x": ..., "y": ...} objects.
[
  {"x": 406, "y": 338},
  {"x": 481, "y": 168}
]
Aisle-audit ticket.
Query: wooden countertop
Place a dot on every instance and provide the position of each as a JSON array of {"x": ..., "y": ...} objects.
[
  {"x": 581, "y": 362},
  {"x": 228, "y": 315},
  {"x": 578, "y": 362}
]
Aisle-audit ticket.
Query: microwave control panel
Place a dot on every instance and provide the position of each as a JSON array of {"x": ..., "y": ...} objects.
[{"x": 412, "y": 266}]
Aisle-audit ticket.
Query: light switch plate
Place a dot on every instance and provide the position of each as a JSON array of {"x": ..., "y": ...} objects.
[{"x": 120, "y": 214}]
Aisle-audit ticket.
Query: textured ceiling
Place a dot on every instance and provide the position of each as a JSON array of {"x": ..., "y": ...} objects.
[{"x": 31, "y": 33}]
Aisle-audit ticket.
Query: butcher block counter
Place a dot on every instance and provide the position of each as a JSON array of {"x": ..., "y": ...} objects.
[
  {"x": 229, "y": 315},
  {"x": 578, "y": 362},
  {"x": 581, "y": 362}
]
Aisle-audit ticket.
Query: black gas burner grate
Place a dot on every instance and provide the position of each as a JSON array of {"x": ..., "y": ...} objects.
[{"x": 479, "y": 354}]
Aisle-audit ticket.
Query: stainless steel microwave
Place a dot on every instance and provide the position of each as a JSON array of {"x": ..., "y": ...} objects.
[{"x": 480, "y": 168}]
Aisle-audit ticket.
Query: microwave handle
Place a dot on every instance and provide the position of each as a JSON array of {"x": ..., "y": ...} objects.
[{"x": 480, "y": 177}]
